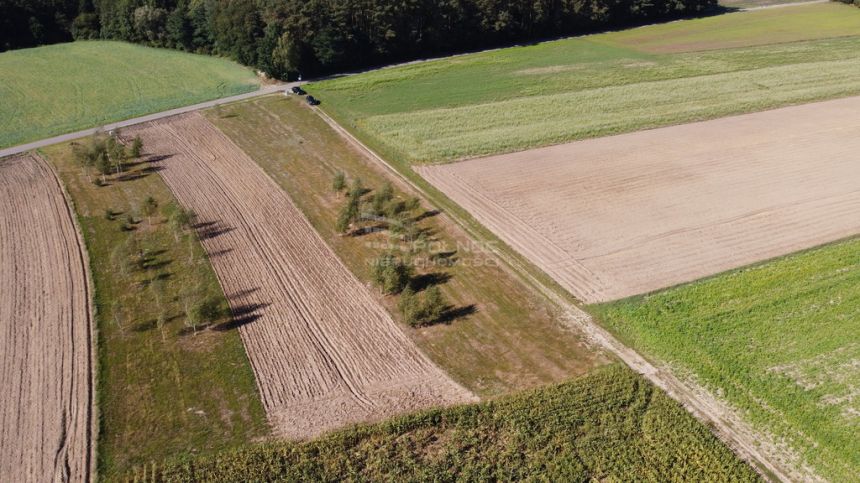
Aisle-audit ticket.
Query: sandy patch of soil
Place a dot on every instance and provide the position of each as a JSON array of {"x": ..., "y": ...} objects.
[
  {"x": 45, "y": 330},
  {"x": 324, "y": 351},
  {"x": 623, "y": 215}
]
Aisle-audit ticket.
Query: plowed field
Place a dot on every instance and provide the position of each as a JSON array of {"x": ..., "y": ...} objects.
[
  {"x": 623, "y": 215},
  {"x": 45, "y": 330},
  {"x": 324, "y": 352}
]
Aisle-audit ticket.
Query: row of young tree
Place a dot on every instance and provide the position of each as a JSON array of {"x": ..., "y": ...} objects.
[
  {"x": 109, "y": 158},
  {"x": 286, "y": 37}
]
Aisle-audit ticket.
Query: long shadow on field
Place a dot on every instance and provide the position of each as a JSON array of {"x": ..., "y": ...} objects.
[
  {"x": 211, "y": 229},
  {"x": 244, "y": 293},
  {"x": 243, "y": 314},
  {"x": 218, "y": 253}
]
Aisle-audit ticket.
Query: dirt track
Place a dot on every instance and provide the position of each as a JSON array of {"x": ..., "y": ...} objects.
[
  {"x": 325, "y": 353},
  {"x": 617, "y": 216},
  {"x": 45, "y": 330}
]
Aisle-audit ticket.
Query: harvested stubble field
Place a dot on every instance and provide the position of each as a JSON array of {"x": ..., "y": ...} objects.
[
  {"x": 325, "y": 353},
  {"x": 613, "y": 217},
  {"x": 46, "y": 412}
]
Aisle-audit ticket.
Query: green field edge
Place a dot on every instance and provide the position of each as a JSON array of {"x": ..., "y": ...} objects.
[{"x": 689, "y": 374}]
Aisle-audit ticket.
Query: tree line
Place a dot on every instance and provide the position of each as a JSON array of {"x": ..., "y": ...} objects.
[{"x": 284, "y": 38}]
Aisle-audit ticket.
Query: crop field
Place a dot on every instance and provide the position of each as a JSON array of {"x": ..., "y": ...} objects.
[
  {"x": 734, "y": 4},
  {"x": 741, "y": 29},
  {"x": 623, "y": 215},
  {"x": 780, "y": 341},
  {"x": 554, "y": 92},
  {"x": 511, "y": 340},
  {"x": 324, "y": 351},
  {"x": 103, "y": 82},
  {"x": 165, "y": 389},
  {"x": 46, "y": 416},
  {"x": 607, "y": 426}
]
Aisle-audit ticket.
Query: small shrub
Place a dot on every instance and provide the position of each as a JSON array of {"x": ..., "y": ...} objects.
[
  {"x": 209, "y": 310},
  {"x": 136, "y": 147},
  {"x": 338, "y": 183}
]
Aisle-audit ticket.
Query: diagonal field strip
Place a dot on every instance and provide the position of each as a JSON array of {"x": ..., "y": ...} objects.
[
  {"x": 324, "y": 352},
  {"x": 46, "y": 414},
  {"x": 642, "y": 211}
]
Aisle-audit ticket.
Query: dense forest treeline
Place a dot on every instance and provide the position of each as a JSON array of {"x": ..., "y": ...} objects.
[{"x": 286, "y": 37}]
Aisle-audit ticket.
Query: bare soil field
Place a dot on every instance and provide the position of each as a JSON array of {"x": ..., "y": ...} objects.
[
  {"x": 46, "y": 413},
  {"x": 324, "y": 352},
  {"x": 623, "y": 215}
]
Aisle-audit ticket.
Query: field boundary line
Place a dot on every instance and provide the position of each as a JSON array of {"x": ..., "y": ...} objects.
[{"x": 723, "y": 420}]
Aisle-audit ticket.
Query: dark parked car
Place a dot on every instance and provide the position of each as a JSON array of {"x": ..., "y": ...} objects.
[
  {"x": 313, "y": 101},
  {"x": 298, "y": 90}
]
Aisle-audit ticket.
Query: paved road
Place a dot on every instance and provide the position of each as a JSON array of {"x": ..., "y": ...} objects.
[{"x": 137, "y": 120}]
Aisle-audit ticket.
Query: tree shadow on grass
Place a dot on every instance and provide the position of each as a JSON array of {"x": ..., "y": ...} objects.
[
  {"x": 453, "y": 313},
  {"x": 150, "y": 324},
  {"x": 427, "y": 280}
]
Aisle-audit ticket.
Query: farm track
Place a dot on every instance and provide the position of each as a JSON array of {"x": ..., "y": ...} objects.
[
  {"x": 46, "y": 414},
  {"x": 324, "y": 352},
  {"x": 613, "y": 217}
]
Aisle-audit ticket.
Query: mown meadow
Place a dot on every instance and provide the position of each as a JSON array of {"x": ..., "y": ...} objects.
[
  {"x": 169, "y": 383},
  {"x": 779, "y": 340},
  {"x": 610, "y": 425},
  {"x": 528, "y": 96},
  {"x": 68, "y": 87}
]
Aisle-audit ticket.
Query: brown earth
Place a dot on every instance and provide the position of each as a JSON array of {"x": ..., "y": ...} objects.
[
  {"x": 617, "y": 216},
  {"x": 45, "y": 330},
  {"x": 324, "y": 351}
]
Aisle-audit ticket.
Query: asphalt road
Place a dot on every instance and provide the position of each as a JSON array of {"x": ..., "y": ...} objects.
[{"x": 150, "y": 117}]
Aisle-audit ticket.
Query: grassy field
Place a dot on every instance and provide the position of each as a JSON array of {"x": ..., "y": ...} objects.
[
  {"x": 741, "y": 29},
  {"x": 780, "y": 341},
  {"x": 523, "y": 97},
  {"x": 511, "y": 340},
  {"x": 162, "y": 391},
  {"x": 66, "y": 87},
  {"x": 607, "y": 426},
  {"x": 756, "y": 3}
]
